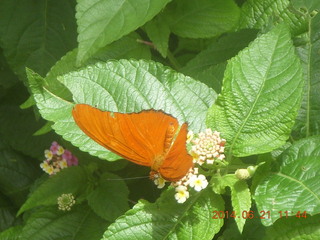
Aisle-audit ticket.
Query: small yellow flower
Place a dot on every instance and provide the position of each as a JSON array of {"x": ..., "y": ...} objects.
[
  {"x": 48, "y": 154},
  {"x": 60, "y": 151},
  {"x": 182, "y": 194},
  {"x": 47, "y": 167},
  {"x": 44, "y": 165},
  {"x": 63, "y": 164},
  {"x": 159, "y": 181}
]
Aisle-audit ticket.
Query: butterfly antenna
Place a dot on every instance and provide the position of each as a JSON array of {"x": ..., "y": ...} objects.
[{"x": 132, "y": 178}]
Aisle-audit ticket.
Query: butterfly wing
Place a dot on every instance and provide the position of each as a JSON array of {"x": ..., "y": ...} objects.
[
  {"x": 177, "y": 162},
  {"x": 138, "y": 137}
]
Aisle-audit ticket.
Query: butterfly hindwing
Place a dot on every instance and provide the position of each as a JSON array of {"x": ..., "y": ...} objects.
[{"x": 177, "y": 162}]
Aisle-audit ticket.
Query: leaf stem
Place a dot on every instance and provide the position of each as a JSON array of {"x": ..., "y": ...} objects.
[{"x": 150, "y": 44}]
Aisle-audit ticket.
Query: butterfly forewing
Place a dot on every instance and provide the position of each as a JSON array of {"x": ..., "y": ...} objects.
[
  {"x": 103, "y": 128},
  {"x": 138, "y": 137}
]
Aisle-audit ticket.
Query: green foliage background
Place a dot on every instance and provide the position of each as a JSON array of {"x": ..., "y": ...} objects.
[{"x": 246, "y": 68}]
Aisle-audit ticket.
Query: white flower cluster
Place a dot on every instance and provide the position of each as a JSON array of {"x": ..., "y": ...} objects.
[
  {"x": 192, "y": 179},
  {"x": 66, "y": 201},
  {"x": 208, "y": 147}
]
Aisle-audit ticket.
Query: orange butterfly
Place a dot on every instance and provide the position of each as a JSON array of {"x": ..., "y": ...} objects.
[{"x": 148, "y": 138}]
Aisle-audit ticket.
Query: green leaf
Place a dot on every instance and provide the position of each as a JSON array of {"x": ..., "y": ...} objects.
[
  {"x": 205, "y": 65},
  {"x": 308, "y": 121},
  {"x": 167, "y": 219},
  {"x": 296, "y": 186},
  {"x": 263, "y": 13},
  {"x": 122, "y": 86},
  {"x": 28, "y": 103},
  {"x": 261, "y": 94},
  {"x": 295, "y": 228},
  {"x": 101, "y": 22},
  {"x": 17, "y": 173},
  {"x": 110, "y": 199},
  {"x": 7, "y": 213},
  {"x": 44, "y": 129},
  {"x": 12, "y": 233},
  {"x": 18, "y": 126},
  {"x": 158, "y": 31},
  {"x": 241, "y": 200},
  {"x": 78, "y": 224},
  {"x": 240, "y": 196},
  {"x": 69, "y": 180},
  {"x": 201, "y": 18},
  {"x": 36, "y": 34}
]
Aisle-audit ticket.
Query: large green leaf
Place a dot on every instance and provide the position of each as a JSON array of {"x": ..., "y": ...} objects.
[
  {"x": 201, "y": 18},
  {"x": 101, "y": 22},
  {"x": 308, "y": 120},
  {"x": 123, "y": 86},
  {"x": 261, "y": 94},
  {"x": 167, "y": 219},
  {"x": 110, "y": 198},
  {"x": 296, "y": 186},
  {"x": 261, "y": 13},
  {"x": 36, "y": 33},
  {"x": 70, "y": 180},
  {"x": 17, "y": 173},
  {"x": 49, "y": 224}
]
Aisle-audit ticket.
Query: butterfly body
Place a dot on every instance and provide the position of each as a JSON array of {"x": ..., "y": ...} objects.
[{"x": 149, "y": 138}]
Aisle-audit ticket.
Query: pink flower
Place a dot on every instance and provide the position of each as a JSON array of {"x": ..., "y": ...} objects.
[
  {"x": 67, "y": 155},
  {"x": 72, "y": 161},
  {"x": 54, "y": 147}
]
